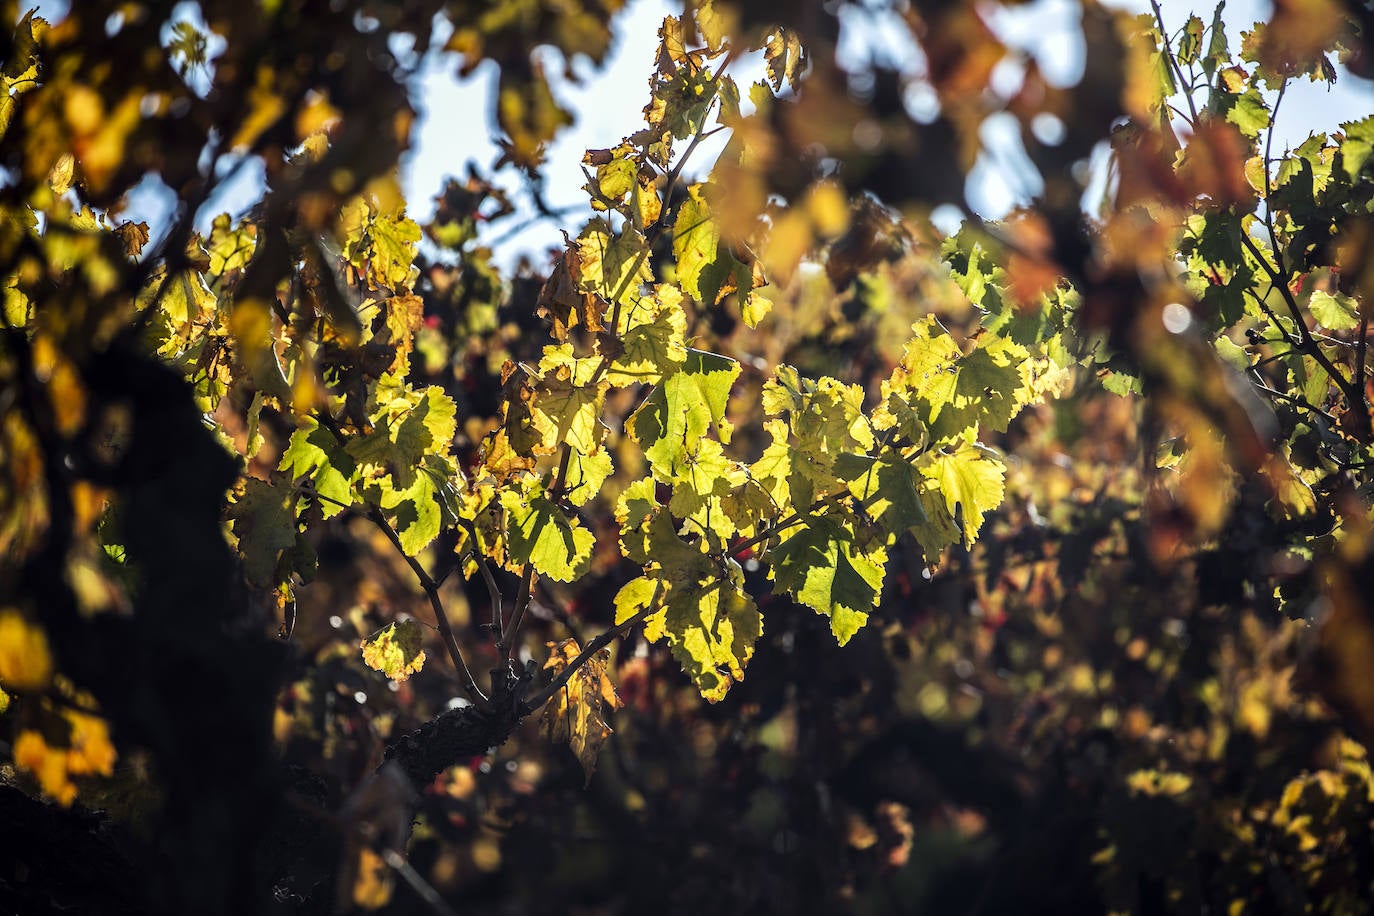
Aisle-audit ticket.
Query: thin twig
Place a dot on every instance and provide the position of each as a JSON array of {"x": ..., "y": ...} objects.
[
  {"x": 1296, "y": 401},
  {"x": 498, "y": 602},
  {"x": 440, "y": 617},
  {"x": 1269, "y": 143},
  {"x": 1308, "y": 343},
  {"x": 1361, "y": 351},
  {"x": 796, "y": 518},
  {"x": 1173, "y": 64},
  {"x": 418, "y": 884}
]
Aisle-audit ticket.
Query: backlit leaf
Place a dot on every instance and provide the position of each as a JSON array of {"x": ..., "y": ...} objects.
[
  {"x": 825, "y": 567},
  {"x": 396, "y": 649},
  {"x": 540, "y": 533},
  {"x": 683, "y": 408},
  {"x": 970, "y": 479},
  {"x": 25, "y": 660}
]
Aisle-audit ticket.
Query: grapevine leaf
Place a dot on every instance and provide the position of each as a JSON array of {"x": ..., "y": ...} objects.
[
  {"x": 539, "y": 532},
  {"x": 609, "y": 264},
  {"x": 394, "y": 242},
  {"x": 712, "y": 628},
  {"x": 566, "y": 407},
  {"x": 648, "y": 535},
  {"x": 970, "y": 479},
  {"x": 1249, "y": 113},
  {"x": 711, "y": 493},
  {"x": 1337, "y": 312},
  {"x": 586, "y": 474},
  {"x": 1357, "y": 146},
  {"x": 888, "y": 489},
  {"x": 826, "y": 417},
  {"x": 776, "y": 472},
  {"x": 230, "y": 247},
  {"x": 575, "y": 715},
  {"x": 263, "y": 518},
  {"x": 652, "y": 335},
  {"x": 824, "y": 567},
  {"x": 409, "y": 425},
  {"x": 314, "y": 451},
  {"x": 635, "y": 596},
  {"x": 414, "y": 512},
  {"x": 396, "y": 649},
  {"x": 953, "y": 392},
  {"x": 696, "y": 238},
  {"x": 682, "y": 408}
]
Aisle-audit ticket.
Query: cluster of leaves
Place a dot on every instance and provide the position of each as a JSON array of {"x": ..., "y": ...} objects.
[{"x": 773, "y": 391}]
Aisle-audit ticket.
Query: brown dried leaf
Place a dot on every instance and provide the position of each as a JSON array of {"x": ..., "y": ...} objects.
[{"x": 576, "y": 713}]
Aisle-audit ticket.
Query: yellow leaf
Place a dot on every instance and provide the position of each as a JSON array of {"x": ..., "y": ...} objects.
[
  {"x": 61, "y": 178},
  {"x": 47, "y": 765},
  {"x": 372, "y": 881},
  {"x": 828, "y": 209},
  {"x": 395, "y": 650},
  {"x": 265, "y": 107},
  {"x": 25, "y": 661},
  {"x": 91, "y": 752}
]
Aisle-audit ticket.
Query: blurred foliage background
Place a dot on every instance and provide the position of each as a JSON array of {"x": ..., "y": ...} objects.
[{"x": 1142, "y": 689}]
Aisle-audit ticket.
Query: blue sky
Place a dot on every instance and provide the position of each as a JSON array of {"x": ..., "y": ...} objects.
[{"x": 454, "y": 127}]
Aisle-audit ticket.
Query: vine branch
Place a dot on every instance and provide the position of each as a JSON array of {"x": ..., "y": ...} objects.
[
  {"x": 431, "y": 590},
  {"x": 1173, "y": 63},
  {"x": 593, "y": 647}
]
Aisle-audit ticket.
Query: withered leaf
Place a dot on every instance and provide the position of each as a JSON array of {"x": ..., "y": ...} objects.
[{"x": 576, "y": 714}]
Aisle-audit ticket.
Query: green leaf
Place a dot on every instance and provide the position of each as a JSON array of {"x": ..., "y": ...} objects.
[
  {"x": 1249, "y": 113},
  {"x": 709, "y": 622},
  {"x": 263, "y": 518},
  {"x": 566, "y": 408},
  {"x": 1357, "y": 145},
  {"x": 394, "y": 243},
  {"x": 314, "y": 451},
  {"x": 823, "y": 566},
  {"x": 970, "y": 479},
  {"x": 952, "y": 392},
  {"x": 648, "y": 535},
  {"x": 682, "y": 408},
  {"x": 395, "y": 649},
  {"x": 407, "y": 427},
  {"x": 538, "y": 532},
  {"x": 696, "y": 238},
  {"x": 615, "y": 179},
  {"x": 1217, "y": 52},
  {"x": 1190, "y": 41},
  {"x": 889, "y": 489},
  {"x": 586, "y": 475},
  {"x": 635, "y": 596},
  {"x": 652, "y": 338},
  {"x": 715, "y": 497},
  {"x": 414, "y": 512},
  {"x": 1337, "y": 313},
  {"x": 611, "y": 264},
  {"x": 712, "y": 628},
  {"x": 776, "y": 472},
  {"x": 826, "y": 418}
]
